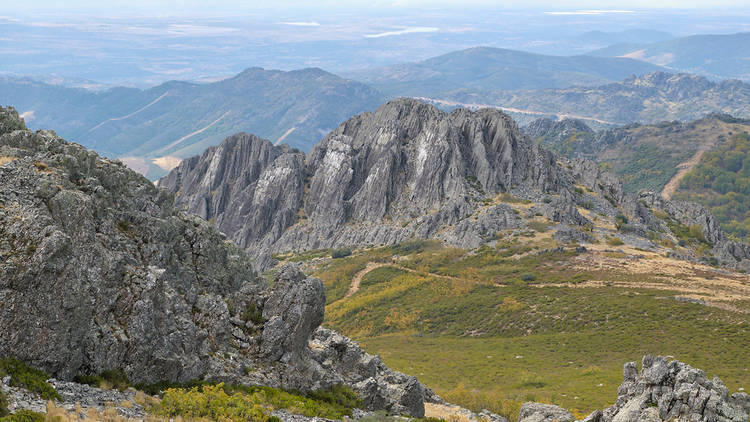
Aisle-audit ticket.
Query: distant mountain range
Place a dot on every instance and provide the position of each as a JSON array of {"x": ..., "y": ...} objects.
[
  {"x": 649, "y": 98},
  {"x": 152, "y": 129},
  {"x": 717, "y": 56},
  {"x": 484, "y": 68}
]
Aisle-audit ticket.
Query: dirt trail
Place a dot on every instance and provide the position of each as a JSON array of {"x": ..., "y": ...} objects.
[
  {"x": 671, "y": 187},
  {"x": 114, "y": 119},
  {"x": 371, "y": 266},
  {"x": 357, "y": 279},
  {"x": 193, "y": 133},
  {"x": 287, "y": 133}
]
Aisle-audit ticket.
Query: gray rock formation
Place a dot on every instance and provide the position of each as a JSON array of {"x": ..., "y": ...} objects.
[
  {"x": 538, "y": 412},
  {"x": 99, "y": 271},
  {"x": 405, "y": 171},
  {"x": 379, "y": 387},
  {"x": 673, "y": 391},
  {"x": 410, "y": 171}
]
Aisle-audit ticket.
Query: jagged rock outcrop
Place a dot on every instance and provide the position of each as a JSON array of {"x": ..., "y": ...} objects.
[
  {"x": 673, "y": 391},
  {"x": 663, "y": 391},
  {"x": 726, "y": 250},
  {"x": 99, "y": 271},
  {"x": 408, "y": 170},
  {"x": 379, "y": 387}
]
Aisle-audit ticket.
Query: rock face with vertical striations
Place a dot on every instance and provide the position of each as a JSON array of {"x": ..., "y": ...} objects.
[
  {"x": 405, "y": 171},
  {"x": 411, "y": 171},
  {"x": 99, "y": 271}
]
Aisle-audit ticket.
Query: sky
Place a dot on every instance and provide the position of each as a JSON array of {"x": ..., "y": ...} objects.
[{"x": 244, "y": 5}]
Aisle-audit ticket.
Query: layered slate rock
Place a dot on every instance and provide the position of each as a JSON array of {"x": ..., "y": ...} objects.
[
  {"x": 99, "y": 271},
  {"x": 408, "y": 170}
]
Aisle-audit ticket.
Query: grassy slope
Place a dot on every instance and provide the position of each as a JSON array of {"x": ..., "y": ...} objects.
[{"x": 487, "y": 338}]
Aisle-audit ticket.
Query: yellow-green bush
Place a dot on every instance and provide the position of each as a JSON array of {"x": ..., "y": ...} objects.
[
  {"x": 212, "y": 402},
  {"x": 240, "y": 403}
]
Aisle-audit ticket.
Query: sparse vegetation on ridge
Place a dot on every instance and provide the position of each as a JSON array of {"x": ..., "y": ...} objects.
[{"x": 22, "y": 375}]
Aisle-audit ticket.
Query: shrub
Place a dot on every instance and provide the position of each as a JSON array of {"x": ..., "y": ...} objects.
[
  {"x": 23, "y": 416},
  {"x": 578, "y": 191},
  {"x": 34, "y": 380},
  {"x": 621, "y": 221},
  {"x": 240, "y": 403},
  {"x": 539, "y": 226},
  {"x": 341, "y": 253},
  {"x": 107, "y": 380},
  {"x": 587, "y": 205},
  {"x": 211, "y": 402},
  {"x": 338, "y": 395},
  {"x": 614, "y": 241},
  {"x": 3, "y": 404},
  {"x": 253, "y": 314},
  {"x": 528, "y": 277}
]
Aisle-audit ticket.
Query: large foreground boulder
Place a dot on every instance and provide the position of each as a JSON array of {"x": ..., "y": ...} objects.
[{"x": 99, "y": 271}]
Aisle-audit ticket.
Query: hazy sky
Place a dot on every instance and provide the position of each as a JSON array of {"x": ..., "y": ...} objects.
[{"x": 245, "y": 5}]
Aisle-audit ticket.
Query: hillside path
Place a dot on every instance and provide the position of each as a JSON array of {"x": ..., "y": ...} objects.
[
  {"x": 114, "y": 119},
  {"x": 371, "y": 266},
  {"x": 685, "y": 167}
]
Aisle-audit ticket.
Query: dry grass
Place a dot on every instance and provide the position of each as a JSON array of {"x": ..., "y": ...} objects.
[
  {"x": 108, "y": 414},
  {"x": 5, "y": 159},
  {"x": 41, "y": 166}
]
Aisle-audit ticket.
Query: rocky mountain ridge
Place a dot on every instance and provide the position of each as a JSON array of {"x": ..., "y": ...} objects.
[
  {"x": 410, "y": 171},
  {"x": 99, "y": 271}
]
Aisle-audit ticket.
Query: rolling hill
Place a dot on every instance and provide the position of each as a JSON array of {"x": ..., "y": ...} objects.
[
  {"x": 152, "y": 129},
  {"x": 716, "y": 56},
  {"x": 702, "y": 161},
  {"x": 485, "y": 68}
]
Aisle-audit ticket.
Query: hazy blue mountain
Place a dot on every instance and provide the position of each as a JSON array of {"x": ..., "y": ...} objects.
[
  {"x": 179, "y": 119},
  {"x": 486, "y": 68},
  {"x": 717, "y": 56},
  {"x": 649, "y": 98}
]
